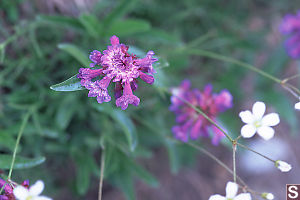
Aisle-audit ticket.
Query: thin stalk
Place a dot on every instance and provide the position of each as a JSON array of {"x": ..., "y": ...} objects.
[
  {"x": 101, "y": 174},
  {"x": 290, "y": 78},
  {"x": 231, "y": 60},
  {"x": 234, "y": 162},
  {"x": 217, "y": 160},
  {"x": 24, "y": 122},
  {"x": 247, "y": 148}
]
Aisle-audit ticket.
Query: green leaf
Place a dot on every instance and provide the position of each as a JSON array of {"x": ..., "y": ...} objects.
[
  {"x": 60, "y": 20},
  {"x": 85, "y": 165},
  {"x": 122, "y": 9},
  {"x": 124, "y": 121},
  {"x": 20, "y": 162},
  {"x": 127, "y": 126},
  {"x": 71, "y": 84},
  {"x": 7, "y": 140},
  {"x": 128, "y": 27},
  {"x": 65, "y": 112},
  {"x": 91, "y": 24},
  {"x": 144, "y": 174},
  {"x": 124, "y": 181},
  {"x": 75, "y": 52}
]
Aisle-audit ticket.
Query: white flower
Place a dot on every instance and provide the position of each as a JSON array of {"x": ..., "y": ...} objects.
[
  {"x": 231, "y": 191},
  {"x": 257, "y": 122},
  {"x": 297, "y": 106},
  {"x": 22, "y": 193},
  {"x": 268, "y": 196},
  {"x": 283, "y": 166}
]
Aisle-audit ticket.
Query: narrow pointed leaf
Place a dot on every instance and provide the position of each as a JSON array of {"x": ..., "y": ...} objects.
[
  {"x": 71, "y": 84},
  {"x": 76, "y": 53},
  {"x": 20, "y": 162}
]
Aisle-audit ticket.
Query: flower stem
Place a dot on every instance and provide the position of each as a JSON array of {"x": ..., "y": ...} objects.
[
  {"x": 247, "y": 148},
  {"x": 24, "y": 122},
  {"x": 101, "y": 174},
  {"x": 216, "y": 56},
  {"x": 233, "y": 160},
  {"x": 215, "y": 159},
  {"x": 290, "y": 78}
]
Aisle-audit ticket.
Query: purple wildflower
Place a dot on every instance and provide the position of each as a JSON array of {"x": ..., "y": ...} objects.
[
  {"x": 8, "y": 191},
  {"x": 190, "y": 124},
  {"x": 117, "y": 65},
  {"x": 291, "y": 26}
]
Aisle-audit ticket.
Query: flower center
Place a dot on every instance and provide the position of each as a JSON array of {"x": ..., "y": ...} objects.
[{"x": 257, "y": 123}]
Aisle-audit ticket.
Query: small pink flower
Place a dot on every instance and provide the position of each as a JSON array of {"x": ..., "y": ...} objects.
[
  {"x": 118, "y": 66},
  {"x": 291, "y": 26},
  {"x": 190, "y": 124}
]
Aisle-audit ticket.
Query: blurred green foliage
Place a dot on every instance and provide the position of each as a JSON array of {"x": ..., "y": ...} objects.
[{"x": 69, "y": 129}]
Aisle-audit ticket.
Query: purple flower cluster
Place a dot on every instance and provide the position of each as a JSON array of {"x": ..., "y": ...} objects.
[
  {"x": 117, "y": 65},
  {"x": 191, "y": 124},
  {"x": 291, "y": 26},
  {"x": 8, "y": 189}
]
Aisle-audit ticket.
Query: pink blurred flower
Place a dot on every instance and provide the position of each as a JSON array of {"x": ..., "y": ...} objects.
[{"x": 190, "y": 124}]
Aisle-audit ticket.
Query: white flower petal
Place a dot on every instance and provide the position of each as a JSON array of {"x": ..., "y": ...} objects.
[
  {"x": 216, "y": 197},
  {"x": 283, "y": 166},
  {"x": 246, "y": 117},
  {"x": 269, "y": 196},
  {"x": 42, "y": 198},
  {"x": 248, "y": 131},
  {"x": 271, "y": 119},
  {"x": 266, "y": 132},
  {"x": 36, "y": 188},
  {"x": 258, "y": 109},
  {"x": 21, "y": 193},
  {"x": 231, "y": 190},
  {"x": 297, "y": 106},
  {"x": 243, "y": 196}
]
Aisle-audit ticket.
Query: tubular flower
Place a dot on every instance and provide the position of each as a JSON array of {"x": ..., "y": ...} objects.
[
  {"x": 190, "y": 124},
  {"x": 8, "y": 189},
  {"x": 116, "y": 65},
  {"x": 291, "y": 26}
]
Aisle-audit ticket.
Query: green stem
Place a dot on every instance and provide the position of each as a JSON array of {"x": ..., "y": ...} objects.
[
  {"x": 234, "y": 162},
  {"x": 247, "y": 148},
  {"x": 215, "y": 159},
  {"x": 231, "y": 60},
  {"x": 24, "y": 122},
  {"x": 101, "y": 174}
]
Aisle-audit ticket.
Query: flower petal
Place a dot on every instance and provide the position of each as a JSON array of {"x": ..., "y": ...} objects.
[
  {"x": 231, "y": 190},
  {"x": 248, "y": 131},
  {"x": 243, "y": 196},
  {"x": 259, "y": 109},
  {"x": 246, "y": 116},
  {"x": 216, "y": 197},
  {"x": 42, "y": 198},
  {"x": 21, "y": 192},
  {"x": 36, "y": 188},
  {"x": 266, "y": 132},
  {"x": 297, "y": 106},
  {"x": 271, "y": 119},
  {"x": 283, "y": 166}
]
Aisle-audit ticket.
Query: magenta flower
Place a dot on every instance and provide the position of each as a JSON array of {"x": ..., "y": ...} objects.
[
  {"x": 116, "y": 65},
  {"x": 190, "y": 124},
  {"x": 291, "y": 26}
]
